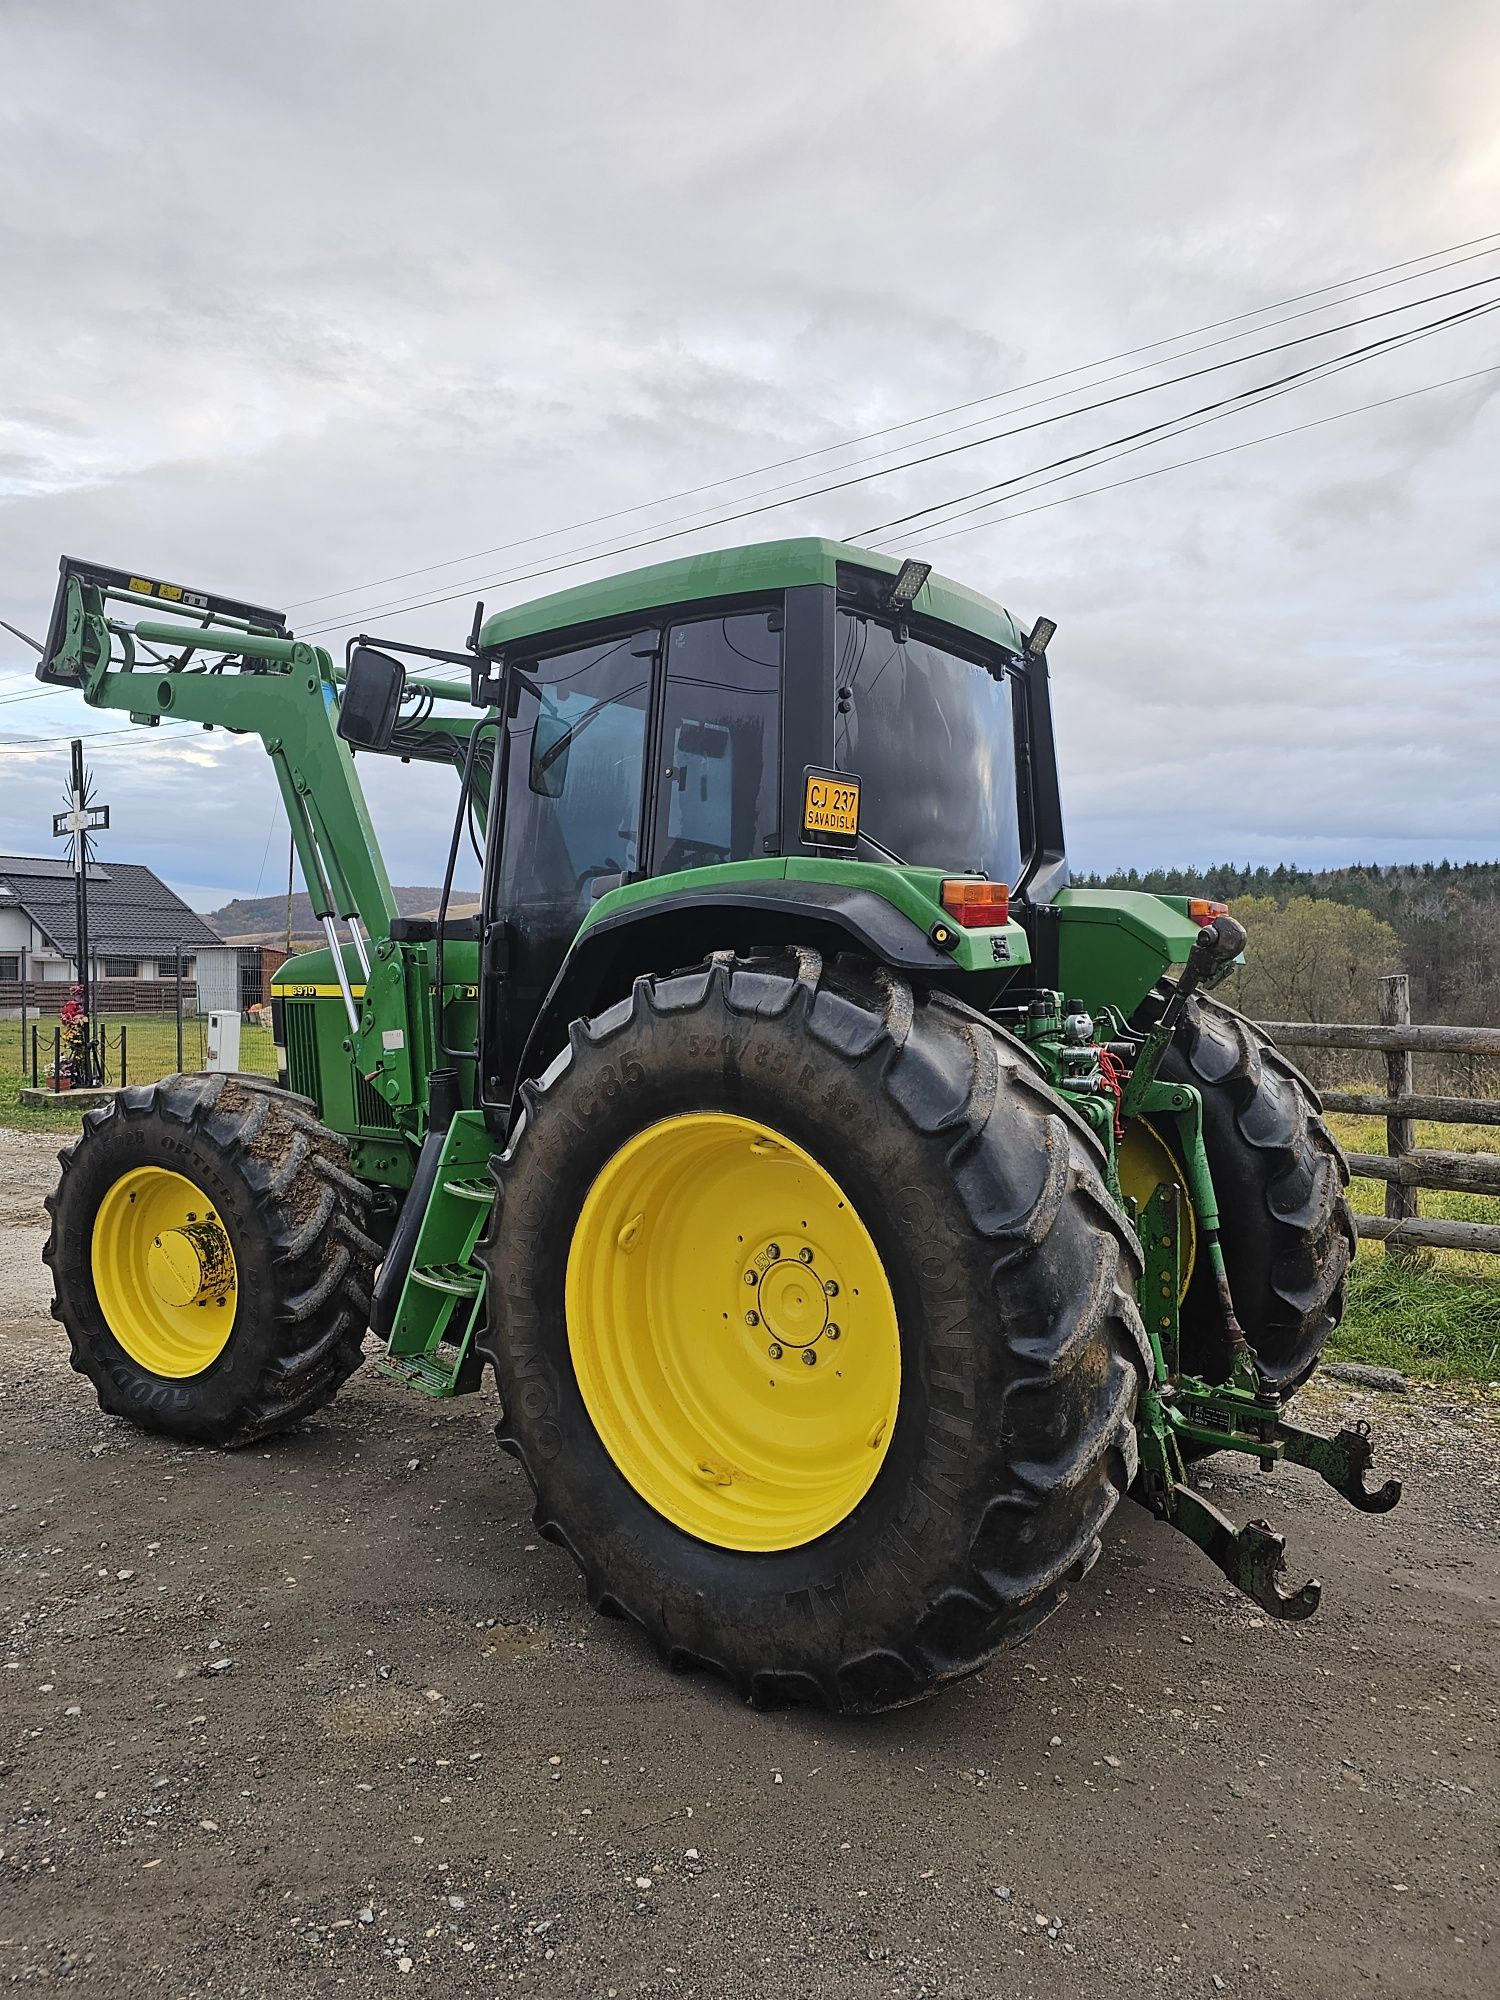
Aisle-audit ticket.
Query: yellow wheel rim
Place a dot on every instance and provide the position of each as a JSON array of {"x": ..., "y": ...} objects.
[
  {"x": 164, "y": 1272},
  {"x": 1146, "y": 1162},
  {"x": 733, "y": 1332}
]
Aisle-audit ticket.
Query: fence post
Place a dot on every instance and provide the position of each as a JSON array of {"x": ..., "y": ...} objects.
[
  {"x": 57, "y": 1058},
  {"x": 25, "y": 968},
  {"x": 123, "y": 1078},
  {"x": 179, "y": 1010},
  {"x": 1394, "y": 994},
  {"x": 35, "y": 1060}
]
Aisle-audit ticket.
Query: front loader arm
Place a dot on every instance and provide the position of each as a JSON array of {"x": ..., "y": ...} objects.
[{"x": 238, "y": 669}]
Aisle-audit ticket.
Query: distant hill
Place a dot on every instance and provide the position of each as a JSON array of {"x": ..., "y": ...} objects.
[{"x": 262, "y": 919}]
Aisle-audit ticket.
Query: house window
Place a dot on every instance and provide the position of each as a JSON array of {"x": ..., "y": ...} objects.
[
  {"x": 120, "y": 968},
  {"x": 10, "y": 965}
]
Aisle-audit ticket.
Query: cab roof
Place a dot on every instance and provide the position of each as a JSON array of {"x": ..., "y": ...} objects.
[{"x": 756, "y": 568}]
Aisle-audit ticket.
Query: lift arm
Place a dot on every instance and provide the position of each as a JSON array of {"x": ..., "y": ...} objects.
[{"x": 231, "y": 665}]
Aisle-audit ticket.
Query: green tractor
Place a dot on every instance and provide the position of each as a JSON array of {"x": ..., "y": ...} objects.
[{"x": 851, "y": 1211}]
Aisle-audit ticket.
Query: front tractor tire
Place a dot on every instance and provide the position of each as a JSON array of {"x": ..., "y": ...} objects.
[
  {"x": 210, "y": 1258},
  {"x": 814, "y": 1328}
]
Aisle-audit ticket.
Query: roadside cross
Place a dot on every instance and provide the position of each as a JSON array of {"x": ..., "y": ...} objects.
[{"x": 83, "y": 817}]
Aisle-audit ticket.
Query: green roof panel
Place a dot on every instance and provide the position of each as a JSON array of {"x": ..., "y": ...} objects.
[{"x": 756, "y": 568}]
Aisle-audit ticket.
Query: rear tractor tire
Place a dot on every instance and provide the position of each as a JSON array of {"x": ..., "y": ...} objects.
[
  {"x": 814, "y": 1328},
  {"x": 210, "y": 1258},
  {"x": 1285, "y": 1223}
]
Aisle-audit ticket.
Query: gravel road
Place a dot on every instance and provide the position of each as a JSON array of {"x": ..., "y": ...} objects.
[{"x": 327, "y": 1718}]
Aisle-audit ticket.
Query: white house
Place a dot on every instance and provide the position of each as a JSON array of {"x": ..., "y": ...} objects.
[{"x": 137, "y": 926}]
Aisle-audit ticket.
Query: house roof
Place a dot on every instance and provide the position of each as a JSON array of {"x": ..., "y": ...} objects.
[{"x": 131, "y": 911}]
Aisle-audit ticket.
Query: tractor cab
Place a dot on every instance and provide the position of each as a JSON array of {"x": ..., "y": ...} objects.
[{"x": 763, "y": 711}]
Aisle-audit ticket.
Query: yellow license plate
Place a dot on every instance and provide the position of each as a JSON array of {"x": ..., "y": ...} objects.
[{"x": 830, "y": 806}]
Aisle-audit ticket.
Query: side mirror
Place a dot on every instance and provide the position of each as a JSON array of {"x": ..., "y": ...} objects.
[
  {"x": 550, "y": 742},
  {"x": 371, "y": 700}
]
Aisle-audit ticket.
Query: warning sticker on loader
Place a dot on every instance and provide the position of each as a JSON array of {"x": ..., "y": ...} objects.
[{"x": 830, "y": 807}]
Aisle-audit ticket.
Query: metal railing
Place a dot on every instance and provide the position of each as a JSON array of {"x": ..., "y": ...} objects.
[{"x": 111, "y": 1057}]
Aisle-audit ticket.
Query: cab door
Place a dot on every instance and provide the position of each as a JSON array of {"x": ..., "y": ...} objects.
[
  {"x": 717, "y": 788},
  {"x": 571, "y": 791}
]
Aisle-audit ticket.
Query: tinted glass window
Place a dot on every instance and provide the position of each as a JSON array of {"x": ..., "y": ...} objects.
[
  {"x": 718, "y": 791},
  {"x": 933, "y": 738},
  {"x": 572, "y": 822}
]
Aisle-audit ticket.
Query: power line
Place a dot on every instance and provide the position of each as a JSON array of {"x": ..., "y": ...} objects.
[
  {"x": 132, "y": 730},
  {"x": 36, "y": 694},
  {"x": 999, "y": 520},
  {"x": 953, "y": 409},
  {"x": 1202, "y": 458},
  {"x": 701, "y": 514},
  {"x": 1334, "y": 364},
  {"x": 837, "y": 486},
  {"x": 1115, "y": 448}
]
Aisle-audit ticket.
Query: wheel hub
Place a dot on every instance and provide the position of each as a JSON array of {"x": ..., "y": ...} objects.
[
  {"x": 191, "y": 1265},
  {"x": 788, "y": 1283}
]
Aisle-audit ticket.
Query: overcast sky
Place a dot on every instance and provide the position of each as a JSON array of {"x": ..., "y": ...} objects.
[{"x": 295, "y": 297}]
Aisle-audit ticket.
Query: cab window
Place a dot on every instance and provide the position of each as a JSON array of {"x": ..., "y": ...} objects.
[{"x": 718, "y": 794}]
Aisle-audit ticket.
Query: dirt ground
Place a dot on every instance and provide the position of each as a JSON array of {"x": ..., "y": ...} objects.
[{"x": 328, "y": 1718}]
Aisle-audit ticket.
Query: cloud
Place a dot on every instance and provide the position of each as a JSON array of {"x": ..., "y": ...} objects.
[{"x": 370, "y": 287}]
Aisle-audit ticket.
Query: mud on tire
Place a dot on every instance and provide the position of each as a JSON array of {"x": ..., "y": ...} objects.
[
  {"x": 295, "y": 1217},
  {"x": 1022, "y": 1351}
]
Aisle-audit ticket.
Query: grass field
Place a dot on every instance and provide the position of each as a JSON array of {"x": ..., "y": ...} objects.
[
  {"x": 151, "y": 1051},
  {"x": 1436, "y": 1317}
]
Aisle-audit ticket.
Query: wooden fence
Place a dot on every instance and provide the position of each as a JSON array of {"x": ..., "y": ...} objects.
[
  {"x": 111, "y": 996},
  {"x": 1404, "y": 1166}
]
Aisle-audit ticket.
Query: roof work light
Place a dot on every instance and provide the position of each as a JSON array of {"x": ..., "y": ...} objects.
[{"x": 909, "y": 581}]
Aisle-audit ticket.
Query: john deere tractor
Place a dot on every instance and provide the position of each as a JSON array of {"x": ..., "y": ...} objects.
[{"x": 850, "y": 1211}]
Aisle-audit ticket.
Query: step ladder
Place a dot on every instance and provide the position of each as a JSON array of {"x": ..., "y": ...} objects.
[{"x": 441, "y": 1308}]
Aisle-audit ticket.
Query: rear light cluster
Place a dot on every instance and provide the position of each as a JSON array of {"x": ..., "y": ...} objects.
[
  {"x": 1203, "y": 912},
  {"x": 976, "y": 905}
]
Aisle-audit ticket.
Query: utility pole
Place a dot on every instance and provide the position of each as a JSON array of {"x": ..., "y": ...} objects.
[{"x": 82, "y": 818}]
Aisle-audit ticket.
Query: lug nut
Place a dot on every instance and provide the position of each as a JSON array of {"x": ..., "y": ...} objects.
[
  {"x": 833, "y": 1331},
  {"x": 809, "y": 1359},
  {"x": 773, "y": 1251},
  {"x": 832, "y": 1288},
  {"x": 805, "y": 1253},
  {"x": 752, "y": 1319},
  {"x": 749, "y": 1277},
  {"x": 774, "y": 1350}
]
